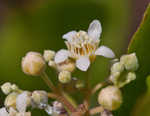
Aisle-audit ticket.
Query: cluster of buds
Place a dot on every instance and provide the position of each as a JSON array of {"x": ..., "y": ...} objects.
[
  {"x": 82, "y": 49},
  {"x": 123, "y": 72}
]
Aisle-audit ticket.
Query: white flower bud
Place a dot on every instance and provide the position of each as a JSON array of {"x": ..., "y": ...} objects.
[
  {"x": 23, "y": 101},
  {"x": 48, "y": 55},
  {"x": 64, "y": 77},
  {"x": 14, "y": 87},
  {"x": 130, "y": 61},
  {"x": 68, "y": 65},
  {"x": 114, "y": 77},
  {"x": 6, "y": 88},
  {"x": 117, "y": 67},
  {"x": 110, "y": 98},
  {"x": 10, "y": 100},
  {"x": 40, "y": 97},
  {"x": 33, "y": 64},
  {"x": 57, "y": 106},
  {"x": 131, "y": 76}
]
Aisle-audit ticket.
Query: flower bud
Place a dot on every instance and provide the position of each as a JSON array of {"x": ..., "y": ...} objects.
[
  {"x": 33, "y": 64},
  {"x": 114, "y": 77},
  {"x": 6, "y": 88},
  {"x": 23, "y": 101},
  {"x": 117, "y": 67},
  {"x": 64, "y": 77},
  {"x": 14, "y": 87},
  {"x": 58, "y": 107},
  {"x": 10, "y": 100},
  {"x": 68, "y": 65},
  {"x": 110, "y": 98},
  {"x": 40, "y": 98},
  {"x": 48, "y": 55},
  {"x": 130, "y": 77},
  {"x": 130, "y": 61}
]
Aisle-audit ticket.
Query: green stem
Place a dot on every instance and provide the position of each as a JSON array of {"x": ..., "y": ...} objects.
[
  {"x": 59, "y": 94},
  {"x": 87, "y": 93},
  {"x": 48, "y": 82}
]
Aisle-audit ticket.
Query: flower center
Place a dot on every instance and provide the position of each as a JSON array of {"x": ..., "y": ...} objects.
[{"x": 82, "y": 45}]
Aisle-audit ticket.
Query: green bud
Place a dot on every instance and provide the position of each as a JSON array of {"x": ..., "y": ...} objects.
[
  {"x": 117, "y": 67},
  {"x": 130, "y": 61},
  {"x": 110, "y": 98},
  {"x": 6, "y": 88},
  {"x": 64, "y": 77}
]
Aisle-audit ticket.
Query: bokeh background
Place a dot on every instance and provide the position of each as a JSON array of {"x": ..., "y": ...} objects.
[{"x": 36, "y": 25}]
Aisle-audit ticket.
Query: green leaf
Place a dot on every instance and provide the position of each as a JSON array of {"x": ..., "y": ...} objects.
[
  {"x": 148, "y": 83},
  {"x": 140, "y": 44}
]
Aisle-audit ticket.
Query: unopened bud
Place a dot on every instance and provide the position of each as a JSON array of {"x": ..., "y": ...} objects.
[
  {"x": 130, "y": 61},
  {"x": 6, "y": 88},
  {"x": 23, "y": 101},
  {"x": 39, "y": 98},
  {"x": 14, "y": 87},
  {"x": 10, "y": 100},
  {"x": 117, "y": 67},
  {"x": 131, "y": 76},
  {"x": 33, "y": 64},
  {"x": 110, "y": 98},
  {"x": 68, "y": 65},
  {"x": 114, "y": 77},
  {"x": 64, "y": 77},
  {"x": 48, "y": 55}
]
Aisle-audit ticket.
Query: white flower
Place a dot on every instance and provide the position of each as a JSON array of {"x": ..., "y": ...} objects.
[{"x": 83, "y": 46}]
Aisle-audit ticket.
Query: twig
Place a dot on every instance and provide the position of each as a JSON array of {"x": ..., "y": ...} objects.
[{"x": 96, "y": 110}]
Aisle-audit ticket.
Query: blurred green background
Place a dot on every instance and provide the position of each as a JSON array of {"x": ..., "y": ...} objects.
[{"x": 37, "y": 25}]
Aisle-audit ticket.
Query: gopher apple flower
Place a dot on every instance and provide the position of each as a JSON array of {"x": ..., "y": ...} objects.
[{"x": 83, "y": 47}]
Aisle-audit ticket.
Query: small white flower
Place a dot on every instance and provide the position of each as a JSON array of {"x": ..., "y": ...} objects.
[{"x": 83, "y": 46}]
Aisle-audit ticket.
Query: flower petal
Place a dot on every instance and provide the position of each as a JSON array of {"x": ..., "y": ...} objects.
[
  {"x": 95, "y": 30},
  {"x": 105, "y": 51},
  {"x": 61, "y": 56},
  {"x": 83, "y": 63},
  {"x": 21, "y": 102},
  {"x": 3, "y": 112},
  {"x": 68, "y": 36}
]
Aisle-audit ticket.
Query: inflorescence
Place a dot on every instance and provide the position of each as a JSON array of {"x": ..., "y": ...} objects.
[{"x": 81, "y": 52}]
